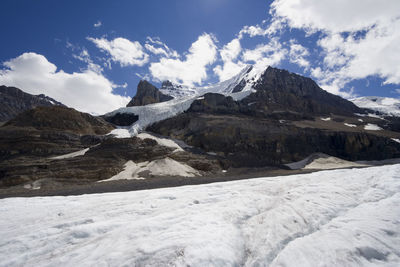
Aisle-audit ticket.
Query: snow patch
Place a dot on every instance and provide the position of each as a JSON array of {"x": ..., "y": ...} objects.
[
  {"x": 396, "y": 140},
  {"x": 326, "y": 119},
  {"x": 372, "y": 127},
  {"x": 322, "y": 161},
  {"x": 161, "y": 141},
  {"x": 72, "y": 155},
  {"x": 331, "y": 163},
  {"x": 350, "y": 125},
  {"x": 120, "y": 133},
  {"x": 159, "y": 167}
]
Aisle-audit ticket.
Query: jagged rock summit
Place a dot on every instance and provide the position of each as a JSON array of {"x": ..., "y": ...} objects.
[{"x": 147, "y": 94}]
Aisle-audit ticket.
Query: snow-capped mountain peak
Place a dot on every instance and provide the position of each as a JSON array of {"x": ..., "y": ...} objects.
[
  {"x": 242, "y": 82},
  {"x": 238, "y": 87}
]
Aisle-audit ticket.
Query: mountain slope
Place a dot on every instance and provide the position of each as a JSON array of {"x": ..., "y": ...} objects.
[{"x": 14, "y": 101}]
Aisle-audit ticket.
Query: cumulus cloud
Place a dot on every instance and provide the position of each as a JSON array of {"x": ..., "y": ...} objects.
[
  {"x": 359, "y": 38},
  {"x": 229, "y": 53},
  {"x": 87, "y": 91},
  {"x": 191, "y": 70},
  {"x": 335, "y": 16},
  {"x": 123, "y": 51},
  {"x": 155, "y": 46},
  {"x": 298, "y": 54},
  {"x": 85, "y": 57},
  {"x": 268, "y": 54}
]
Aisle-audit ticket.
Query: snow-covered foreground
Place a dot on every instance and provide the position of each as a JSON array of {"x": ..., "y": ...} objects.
[{"x": 348, "y": 217}]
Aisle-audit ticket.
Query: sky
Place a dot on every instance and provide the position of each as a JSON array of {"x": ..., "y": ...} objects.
[{"x": 91, "y": 56}]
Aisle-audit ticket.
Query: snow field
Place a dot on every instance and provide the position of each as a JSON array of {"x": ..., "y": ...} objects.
[{"x": 348, "y": 217}]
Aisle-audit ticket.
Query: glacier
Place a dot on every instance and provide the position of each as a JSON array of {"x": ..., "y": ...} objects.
[{"x": 347, "y": 217}]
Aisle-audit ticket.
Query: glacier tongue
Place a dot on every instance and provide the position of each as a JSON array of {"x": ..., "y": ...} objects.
[{"x": 185, "y": 95}]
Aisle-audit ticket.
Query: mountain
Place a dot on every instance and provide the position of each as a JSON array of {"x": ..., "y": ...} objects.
[
  {"x": 386, "y": 105},
  {"x": 14, "y": 101},
  {"x": 147, "y": 94},
  {"x": 260, "y": 118},
  {"x": 266, "y": 117}
]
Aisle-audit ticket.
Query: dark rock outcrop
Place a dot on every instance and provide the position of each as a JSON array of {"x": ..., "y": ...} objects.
[
  {"x": 14, "y": 101},
  {"x": 122, "y": 119},
  {"x": 215, "y": 103},
  {"x": 147, "y": 94}
]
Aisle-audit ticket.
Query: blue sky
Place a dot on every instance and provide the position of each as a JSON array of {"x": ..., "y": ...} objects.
[{"x": 91, "y": 56}]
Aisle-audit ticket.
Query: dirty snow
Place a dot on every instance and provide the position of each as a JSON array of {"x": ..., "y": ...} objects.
[
  {"x": 331, "y": 163},
  {"x": 372, "y": 127},
  {"x": 323, "y": 161},
  {"x": 159, "y": 167},
  {"x": 348, "y": 217}
]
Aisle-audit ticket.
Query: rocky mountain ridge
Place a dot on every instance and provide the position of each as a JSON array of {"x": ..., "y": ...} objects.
[{"x": 14, "y": 101}]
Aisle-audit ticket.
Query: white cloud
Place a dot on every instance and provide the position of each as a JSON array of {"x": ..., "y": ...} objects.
[
  {"x": 193, "y": 69},
  {"x": 123, "y": 51},
  {"x": 298, "y": 53},
  {"x": 231, "y": 66},
  {"x": 359, "y": 38},
  {"x": 269, "y": 54},
  {"x": 335, "y": 16},
  {"x": 97, "y": 24},
  {"x": 86, "y": 91},
  {"x": 156, "y": 50},
  {"x": 85, "y": 57}
]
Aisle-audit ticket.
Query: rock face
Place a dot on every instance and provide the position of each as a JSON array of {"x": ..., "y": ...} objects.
[
  {"x": 14, "y": 101},
  {"x": 280, "y": 90},
  {"x": 147, "y": 94}
]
